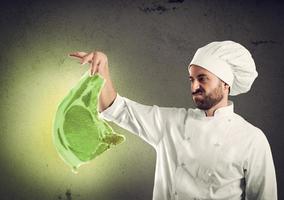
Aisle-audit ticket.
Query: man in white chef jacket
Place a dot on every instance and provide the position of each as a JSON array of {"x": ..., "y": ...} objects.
[{"x": 209, "y": 152}]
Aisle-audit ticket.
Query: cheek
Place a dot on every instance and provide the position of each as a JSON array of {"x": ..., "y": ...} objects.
[
  {"x": 204, "y": 87},
  {"x": 210, "y": 85}
]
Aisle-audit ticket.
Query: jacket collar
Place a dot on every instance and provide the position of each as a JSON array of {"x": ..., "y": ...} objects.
[{"x": 223, "y": 111}]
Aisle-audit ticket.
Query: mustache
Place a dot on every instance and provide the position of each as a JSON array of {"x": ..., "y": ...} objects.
[{"x": 199, "y": 90}]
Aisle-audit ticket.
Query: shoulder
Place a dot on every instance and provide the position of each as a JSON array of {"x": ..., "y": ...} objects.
[{"x": 251, "y": 132}]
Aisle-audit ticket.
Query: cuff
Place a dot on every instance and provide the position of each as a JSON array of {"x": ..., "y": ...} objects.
[{"x": 112, "y": 111}]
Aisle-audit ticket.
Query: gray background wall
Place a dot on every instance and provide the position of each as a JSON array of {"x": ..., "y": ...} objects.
[{"x": 149, "y": 45}]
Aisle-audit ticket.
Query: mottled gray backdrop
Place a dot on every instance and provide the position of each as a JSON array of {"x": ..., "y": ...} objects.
[{"x": 149, "y": 45}]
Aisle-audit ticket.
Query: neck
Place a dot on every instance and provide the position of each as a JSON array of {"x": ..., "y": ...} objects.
[{"x": 223, "y": 103}]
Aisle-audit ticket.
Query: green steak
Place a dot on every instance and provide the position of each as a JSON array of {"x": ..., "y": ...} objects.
[{"x": 79, "y": 134}]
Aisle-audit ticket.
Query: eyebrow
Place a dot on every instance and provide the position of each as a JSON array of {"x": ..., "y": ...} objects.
[{"x": 199, "y": 75}]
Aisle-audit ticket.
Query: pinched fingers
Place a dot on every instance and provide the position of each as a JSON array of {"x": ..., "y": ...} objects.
[
  {"x": 97, "y": 60},
  {"x": 87, "y": 58}
]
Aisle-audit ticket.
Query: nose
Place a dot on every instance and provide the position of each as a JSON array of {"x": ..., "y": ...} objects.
[{"x": 194, "y": 85}]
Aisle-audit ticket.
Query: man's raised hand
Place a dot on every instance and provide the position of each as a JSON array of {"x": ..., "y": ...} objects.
[{"x": 97, "y": 60}]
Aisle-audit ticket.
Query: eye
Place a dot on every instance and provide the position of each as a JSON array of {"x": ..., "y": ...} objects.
[{"x": 202, "y": 79}]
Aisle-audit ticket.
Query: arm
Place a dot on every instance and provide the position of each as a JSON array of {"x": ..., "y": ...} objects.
[
  {"x": 260, "y": 173},
  {"x": 148, "y": 122}
]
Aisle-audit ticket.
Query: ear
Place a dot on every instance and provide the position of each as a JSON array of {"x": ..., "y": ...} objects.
[{"x": 227, "y": 87}]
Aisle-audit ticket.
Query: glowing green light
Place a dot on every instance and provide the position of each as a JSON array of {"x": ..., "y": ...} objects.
[{"x": 78, "y": 133}]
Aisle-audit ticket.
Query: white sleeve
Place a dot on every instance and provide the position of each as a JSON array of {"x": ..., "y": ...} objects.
[
  {"x": 148, "y": 122},
  {"x": 260, "y": 172}
]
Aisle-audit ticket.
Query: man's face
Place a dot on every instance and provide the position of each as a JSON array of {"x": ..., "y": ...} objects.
[{"x": 206, "y": 88}]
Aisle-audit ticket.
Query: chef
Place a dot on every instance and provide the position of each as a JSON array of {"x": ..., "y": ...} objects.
[{"x": 207, "y": 152}]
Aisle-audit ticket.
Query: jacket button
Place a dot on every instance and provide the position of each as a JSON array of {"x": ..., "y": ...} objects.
[{"x": 217, "y": 144}]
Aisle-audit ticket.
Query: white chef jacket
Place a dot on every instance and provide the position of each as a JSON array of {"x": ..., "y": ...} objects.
[{"x": 198, "y": 157}]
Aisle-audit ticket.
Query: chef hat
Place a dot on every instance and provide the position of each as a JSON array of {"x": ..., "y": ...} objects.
[{"x": 230, "y": 61}]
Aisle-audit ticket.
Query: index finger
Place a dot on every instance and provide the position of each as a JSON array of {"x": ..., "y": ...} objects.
[{"x": 78, "y": 54}]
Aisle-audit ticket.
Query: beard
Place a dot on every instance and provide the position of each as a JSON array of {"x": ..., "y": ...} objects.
[{"x": 206, "y": 101}]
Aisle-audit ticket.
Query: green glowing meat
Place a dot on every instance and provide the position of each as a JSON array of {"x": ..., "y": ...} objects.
[{"x": 79, "y": 134}]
